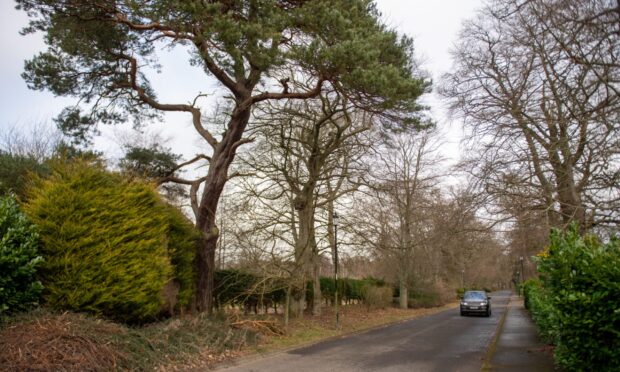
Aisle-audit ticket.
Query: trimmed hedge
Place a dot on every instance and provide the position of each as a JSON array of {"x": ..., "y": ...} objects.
[
  {"x": 236, "y": 287},
  {"x": 19, "y": 259},
  {"x": 349, "y": 289},
  {"x": 538, "y": 302},
  {"x": 110, "y": 245},
  {"x": 577, "y": 304}
]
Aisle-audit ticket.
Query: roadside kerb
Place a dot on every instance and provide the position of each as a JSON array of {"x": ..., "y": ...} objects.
[{"x": 486, "y": 366}]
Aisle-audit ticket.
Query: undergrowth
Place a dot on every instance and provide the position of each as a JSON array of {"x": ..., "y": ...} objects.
[{"x": 44, "y": 340}]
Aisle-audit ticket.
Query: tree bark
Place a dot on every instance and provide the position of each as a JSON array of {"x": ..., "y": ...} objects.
[
  {"x": 306, "y": 250},
  {"x": 223, "y": 155},
  {"x": 317, "y": 303},
  {"x": 404, "y": 294}
]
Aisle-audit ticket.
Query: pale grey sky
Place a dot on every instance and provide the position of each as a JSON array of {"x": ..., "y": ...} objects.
[{"x": 434, "y": 26}]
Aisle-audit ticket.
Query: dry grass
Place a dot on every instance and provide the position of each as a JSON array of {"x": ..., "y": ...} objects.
[
  {"x": 56, "y": 342},
  {"x": 44, "y": 341}
]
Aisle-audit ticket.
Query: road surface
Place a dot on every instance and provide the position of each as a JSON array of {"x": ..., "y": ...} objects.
[{"x": 441, "y": 342}]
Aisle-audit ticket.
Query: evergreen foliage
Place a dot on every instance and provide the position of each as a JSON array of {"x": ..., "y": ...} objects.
[
  {"x": 107, "y": 243},
  {"x": 576, "y": 305},
  {"x": 149, "y": 162},
  {"x": 15, "y": 171},
  {"x": 19, "y": 259},
  {"x": 236, "y": 287},
  {"x": 182, "y": 241}
]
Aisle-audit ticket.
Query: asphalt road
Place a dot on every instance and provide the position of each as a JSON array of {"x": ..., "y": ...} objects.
[{"x": 441, "y": 342}]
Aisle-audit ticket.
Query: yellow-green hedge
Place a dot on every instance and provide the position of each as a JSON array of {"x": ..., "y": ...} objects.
[{"x": 107, "y": 243}]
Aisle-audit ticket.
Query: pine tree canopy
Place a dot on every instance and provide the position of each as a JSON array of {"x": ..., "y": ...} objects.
[{"x": 99, "y": 51}]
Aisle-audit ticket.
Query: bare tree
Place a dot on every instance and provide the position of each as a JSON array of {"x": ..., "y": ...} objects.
[
  {"x": 307, "y": 159},
  {"x": 544, "y": 124},
  {"x": 392, "y": 217}
]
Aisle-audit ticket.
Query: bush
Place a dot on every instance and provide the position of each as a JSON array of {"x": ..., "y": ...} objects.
[
  {"x": 581, "y": 277},
  {"x": 428, "y": 299},
  {"x": 107, "y": 243},
  {"x": 16, "y": 170},
  {"x": 19, "y": 259},
  {"x": 236, "y": 287},
  {"x": 538, "y": 301},
  {"x": 376, "y": 297},
  {"x": 183, "y": 240}
]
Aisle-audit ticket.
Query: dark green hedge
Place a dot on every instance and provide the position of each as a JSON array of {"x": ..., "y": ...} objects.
[
  {"x": 577, "y": 303},
  {"x": 110, "y": 245},
  {"x": 349, "y": 289},
  {"x": 538, "y": 302},
  {"x": 236, "y": 287},
  {"x": 19, "y": 259},
  {"x": 240, "y": 288}
]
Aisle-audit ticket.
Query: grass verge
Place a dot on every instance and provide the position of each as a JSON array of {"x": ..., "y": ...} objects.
[{"x": 353, "y": 318}]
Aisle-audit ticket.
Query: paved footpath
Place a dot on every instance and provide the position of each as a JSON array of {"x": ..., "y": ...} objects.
[{"x": 518, "y": 346}]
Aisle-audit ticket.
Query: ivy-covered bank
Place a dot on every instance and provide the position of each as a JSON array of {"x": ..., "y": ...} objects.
[{"x": 576, "y": 300}]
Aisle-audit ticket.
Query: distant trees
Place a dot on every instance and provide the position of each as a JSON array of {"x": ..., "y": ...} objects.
[
  {"x": 391, "y": 218},
  {"x": 157, "y": 164},
  {"x": 101, "y": 53},
  {"x": 23, "y": 154},
  {"x": 536, "y": 84}
]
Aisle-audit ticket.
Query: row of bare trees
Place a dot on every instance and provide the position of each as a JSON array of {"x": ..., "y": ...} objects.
[{"x": 536, "y": 84}]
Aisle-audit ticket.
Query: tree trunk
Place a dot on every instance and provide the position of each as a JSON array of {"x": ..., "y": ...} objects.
[
  {"x": 404, "y": 294},
  {"x": 298, "y": 303},
  {"x": 317, "y": 303},
  {"x": 217, "y": 176},
  {"x": 571, "y": 206},
  {"x": 306, "y": 252},
  {"x": 287, "y": 305}
]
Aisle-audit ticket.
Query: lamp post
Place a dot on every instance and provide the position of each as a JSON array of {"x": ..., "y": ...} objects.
[
  {"x": 522, "y": 272},
  {"x": 336, "y": 300}
]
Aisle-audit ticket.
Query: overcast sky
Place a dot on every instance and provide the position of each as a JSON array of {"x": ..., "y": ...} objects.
[{"x": 434, "y": 26}]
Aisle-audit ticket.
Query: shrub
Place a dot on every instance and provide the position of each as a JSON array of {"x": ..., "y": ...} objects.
[
  {"x": 107, "y": 243},
  {"x": 581, "y": 277},
  {"x": 376, "y": 297},
  {"x": 183, "y": 240},
  {"x": 538, "y": 301},
  {"x": 236, "y": 287},
  {"x": 19, "y": 259},
  {"x": 15, "y": 171},
  {"x": 424, "y": 299}
]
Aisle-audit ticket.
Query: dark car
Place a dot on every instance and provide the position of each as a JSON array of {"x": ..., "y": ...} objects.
[{"x": 476, "y": 302}]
